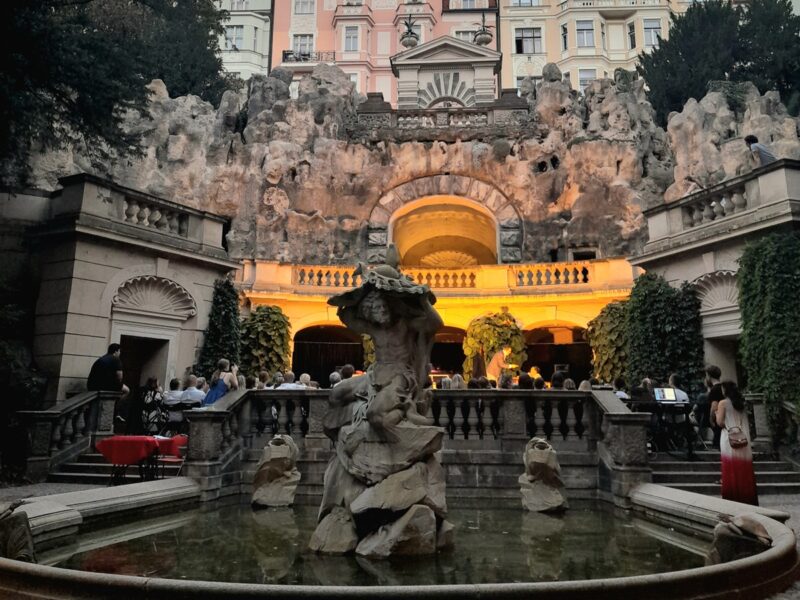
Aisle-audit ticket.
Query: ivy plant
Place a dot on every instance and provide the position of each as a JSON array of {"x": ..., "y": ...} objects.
[
  {"x": 265, "y": 340},
  {"x": 769, "y": 270},
  {"x": 221, "y": 337},
  {"x": 607, "y": 336},
  {"x": 487, "y": 334},
  {"x": 664, "y": 333}
]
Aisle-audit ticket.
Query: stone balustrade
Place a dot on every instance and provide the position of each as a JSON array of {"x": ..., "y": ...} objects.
[
  {"x": 726, "y": 207},
  {"x": 66, "y": 430},
  {"x": 532, "y": 278},
  {"x": 102, "y": 204},
  {"x": 606, "y": 4}
]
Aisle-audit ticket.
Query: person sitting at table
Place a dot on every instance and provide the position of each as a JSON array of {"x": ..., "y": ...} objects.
[
  {"x": 173, "y": 396},
  {"x": 250, "y": 382},
  {"x": 223, "y": 380},
  {"x": 154, "y": 415},
  {"x": 202, "y": 385},
  {"x": 539, "y": 384},
  {"x": 676, "y": 384}
]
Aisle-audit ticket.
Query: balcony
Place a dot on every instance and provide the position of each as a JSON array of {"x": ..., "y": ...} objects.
[
  {"x": 293, "y": 57},
  {"x": 615, "y": 6},
  {"x": 762, "y": 199},
  {"x": 503, "y": 280}
]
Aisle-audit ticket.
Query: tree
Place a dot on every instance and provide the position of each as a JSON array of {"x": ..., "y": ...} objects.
[
  {"x": 490, "y": 333},
  {"x": 703, "y": 46},
  {"x": 71, "y": 70},
  {"x": 663, "y": 330},
  {"x": 608, "y": 338},
  {"x": 769, "y": 270},
  {"x": 769, "y": 39},
  {"x": 265, "y": 341},
  {"x": 221, "y": 338}
]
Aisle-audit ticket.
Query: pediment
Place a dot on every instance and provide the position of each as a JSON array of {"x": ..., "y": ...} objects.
[{"x": 443, "y": 49}]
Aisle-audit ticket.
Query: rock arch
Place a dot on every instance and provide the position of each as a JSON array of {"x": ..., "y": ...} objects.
[{"x": 510, "y": 235}]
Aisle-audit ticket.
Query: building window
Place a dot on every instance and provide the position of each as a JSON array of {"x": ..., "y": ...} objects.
[
  {"x": 564, "y": 37},
  {"x": 585, "y": 77},
  {"x": 468, "y": 4},
  {"x": 585, "y": 34},
  {"x": 303, "y": 44},
  {"x": 528, "y": 40},
  {"x": 652, "y": 31},
  {"x": 603, "y": 35},
  {"x": 354, "y": 79},
  {"x": 234, "y": 37},
  {"x": 303, "y": 7},
  {"x": 632, "y": 35},
  {"x": 240, "y": 4},
  {"x": 465, "y": 35},
  {"x": 524, "y": 2},
  {"x": 351, "y": 39},
  {"x": 255, "y": 39}
]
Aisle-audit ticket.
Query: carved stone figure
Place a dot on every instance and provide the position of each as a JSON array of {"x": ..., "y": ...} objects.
[
  {"x": 738, "y": 537},
  {"x": 16, "y": 540},
  {"x": 541, "y": 484},
  {"x": 384, "y": 488},
  {"x": 277, "y": 476}
]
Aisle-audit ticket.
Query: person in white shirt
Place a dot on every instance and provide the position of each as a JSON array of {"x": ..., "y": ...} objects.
[
  {"x": 289, "y": 383},
  {"x": 192, "y": 395},
  {"x": 619, "y": 389},
  {"x": 675, "y": 383}
]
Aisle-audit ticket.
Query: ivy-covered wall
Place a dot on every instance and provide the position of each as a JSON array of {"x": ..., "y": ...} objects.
[
  {"x": 490, "y": 333},
  {"x": 608, "y": 338},
  {"x": 266, "y": 334},
  {"x": 769, "y": 272}
]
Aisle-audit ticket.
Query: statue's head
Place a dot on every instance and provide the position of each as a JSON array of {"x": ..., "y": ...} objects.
[{"x": 375, "y": 308}]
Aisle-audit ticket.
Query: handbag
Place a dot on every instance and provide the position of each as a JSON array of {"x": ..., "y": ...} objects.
[{"x": 737, "y": 437}]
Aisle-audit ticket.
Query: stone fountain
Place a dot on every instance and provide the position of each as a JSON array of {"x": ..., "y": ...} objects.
[{"x": 384, "y": 489}]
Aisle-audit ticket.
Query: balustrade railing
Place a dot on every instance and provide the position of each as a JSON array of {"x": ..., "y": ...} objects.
[
  {"x": 327, "y": 277},
  {"x": 713, "y": 205},
  {"x": 299, "y": 56},
  {"x": 60, "y": 433},
  {"x": 443, "y": 278},
  {"x": 553, "y": 274},
  {"x": 155, "y": 215}
]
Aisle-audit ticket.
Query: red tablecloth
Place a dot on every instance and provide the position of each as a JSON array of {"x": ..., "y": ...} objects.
[{"x": 132, "y": 449}]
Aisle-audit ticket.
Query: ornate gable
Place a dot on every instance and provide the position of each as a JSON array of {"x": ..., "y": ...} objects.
[{"x": 446, "y": 49}]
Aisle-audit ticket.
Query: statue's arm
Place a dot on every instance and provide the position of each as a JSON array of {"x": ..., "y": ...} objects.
[
  {"x": 348, "y": 316},
  {"x": 429, "y": 321}
]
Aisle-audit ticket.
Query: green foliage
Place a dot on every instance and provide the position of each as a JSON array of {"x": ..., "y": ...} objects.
[
  {"x": 715, "y": 41},
  {"x": 491, "y": 333},
  {"x": 664, "y": 332},
  {"x": 221, "y": 338},
  {"x": 702, "y": 47},
  {"x": 72, "y": 70},
  {"x": 607, "y": 336},
  {"x": 369, "y": 349},
  {"x": 769, "y": 270},
  {"x": 265, "y": 341}
]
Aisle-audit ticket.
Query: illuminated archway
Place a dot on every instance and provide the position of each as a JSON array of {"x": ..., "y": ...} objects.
[
  {"x": 444, "y": 232},
  {"x": 321, "y": 349},
  {"x": 452, "y": 191},
  {"x": 559, "y": 345}
]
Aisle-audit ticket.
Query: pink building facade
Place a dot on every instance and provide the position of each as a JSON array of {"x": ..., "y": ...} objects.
[{"x": 361, "y": 36}]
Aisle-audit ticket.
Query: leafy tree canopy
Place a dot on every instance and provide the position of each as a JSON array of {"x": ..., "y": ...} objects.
[
  {"x": 70, "y": 70},
  {"x": 221, "y": 338},
  {"x": 714, "y": 40},
  {"x": 487, "y": 334},
  {"x": 608, "y": 339},
  {"x": 265, "y": 341}
]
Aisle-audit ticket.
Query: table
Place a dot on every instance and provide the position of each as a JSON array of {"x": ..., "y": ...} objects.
[{"x": 143, "y": 450}]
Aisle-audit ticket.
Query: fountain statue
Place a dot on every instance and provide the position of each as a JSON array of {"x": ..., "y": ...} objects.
[{"x": 384, "y": 489}]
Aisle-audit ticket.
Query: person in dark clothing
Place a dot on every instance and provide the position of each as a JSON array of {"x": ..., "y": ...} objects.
[
  {"x": 106, "y": 375},
  {"x": 715, "y": 395}
]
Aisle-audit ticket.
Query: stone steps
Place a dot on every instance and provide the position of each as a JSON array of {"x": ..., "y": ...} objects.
[
  {"x": 92, "y": 469},
  {"x": 765, "y": 489},
  {"x": 678, "y": 477}
]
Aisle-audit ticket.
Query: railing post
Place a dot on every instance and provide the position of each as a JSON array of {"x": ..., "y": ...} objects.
[
  {"x": 317, "y": 407},
  {"x": 763, "y": 438},
  {"x": 514, "y": 434},
  {"x": 39, "y": 427},
  {"x": 106, "y": 407},
  {"x": 623, "y": 453}
]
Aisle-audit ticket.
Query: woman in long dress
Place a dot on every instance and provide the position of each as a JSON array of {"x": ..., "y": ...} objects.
[
  {"x": 223, "y": 380},
  {"x": 738, "y": 476}
]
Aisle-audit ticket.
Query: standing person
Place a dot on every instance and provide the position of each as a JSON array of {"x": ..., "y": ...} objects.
[
  {"x": 495, "y": 367},
  {"x": 738, "y": 476},
  {"x": 154, "y": 415},
  {"x": 106, "y": 375},
  {"x": 761, "y": 154},
  {"x": 715, "y": 395},
  {"x": 223, "y": 380},
  {"x": 478, "y": 365}
]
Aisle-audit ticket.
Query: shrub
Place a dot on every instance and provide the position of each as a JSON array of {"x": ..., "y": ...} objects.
[
  {"x": 607, "y": 336},
  {"x": 490, "y": 333},
  {"x": 265, "y": 341},
  {"x": 221, "y": 337}
]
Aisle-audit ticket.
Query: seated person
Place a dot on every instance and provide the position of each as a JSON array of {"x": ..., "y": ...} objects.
[
  {"x": 193, "y": 394},
  {"x": 173, "y": 396}
]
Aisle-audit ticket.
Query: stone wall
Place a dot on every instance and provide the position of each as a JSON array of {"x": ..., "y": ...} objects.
[{"x": 300, "y": 180}]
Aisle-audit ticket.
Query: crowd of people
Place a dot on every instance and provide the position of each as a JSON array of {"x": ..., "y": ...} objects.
[{"x": 718, "y": 414}]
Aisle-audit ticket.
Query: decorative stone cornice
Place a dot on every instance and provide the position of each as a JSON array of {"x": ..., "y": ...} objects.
[{"x": 148, "y": 294}]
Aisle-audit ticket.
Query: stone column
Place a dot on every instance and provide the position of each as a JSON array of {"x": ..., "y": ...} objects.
[
  {"x": 623, "y": 455},
  {"x": 763, "y": 439},
  {"x": 514, "y": 434},
  {"x": 39, "y": 425},
  {"x": 106, "y": 407}
]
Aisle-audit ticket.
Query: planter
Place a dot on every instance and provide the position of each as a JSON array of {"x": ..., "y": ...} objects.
[
  {"x": 483, "y": 38},
  {"x": 409, "y": 40}
]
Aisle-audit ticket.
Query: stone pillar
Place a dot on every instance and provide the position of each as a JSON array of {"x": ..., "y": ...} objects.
[
  {"x": 106, "y": 408},
  {"x": 514, "y": 434},
  {"x": 39, "y": 426},
  {"x": 203, "y": 457},
  {"x": 317, "y": 407},
  {"x": 623, "y": 455},
  {"x": 763, "y": 439}
]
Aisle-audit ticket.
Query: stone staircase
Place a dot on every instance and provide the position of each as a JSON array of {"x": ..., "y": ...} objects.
[
  {"x": 92, "y": 468},
  {"x": 703, "y": 474}
]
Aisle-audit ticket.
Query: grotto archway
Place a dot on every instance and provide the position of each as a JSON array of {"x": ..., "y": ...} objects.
[{"x": 487, "y": 198}]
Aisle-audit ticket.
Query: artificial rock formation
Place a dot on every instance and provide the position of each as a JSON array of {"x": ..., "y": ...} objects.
[
  {"x": 384, "y": 489},
  {"x": 276, "y": 477},
  {"x": 738, "y": 537},
  {"x": 540, "y": 485},
  {"x": 16, "y": 540}
]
